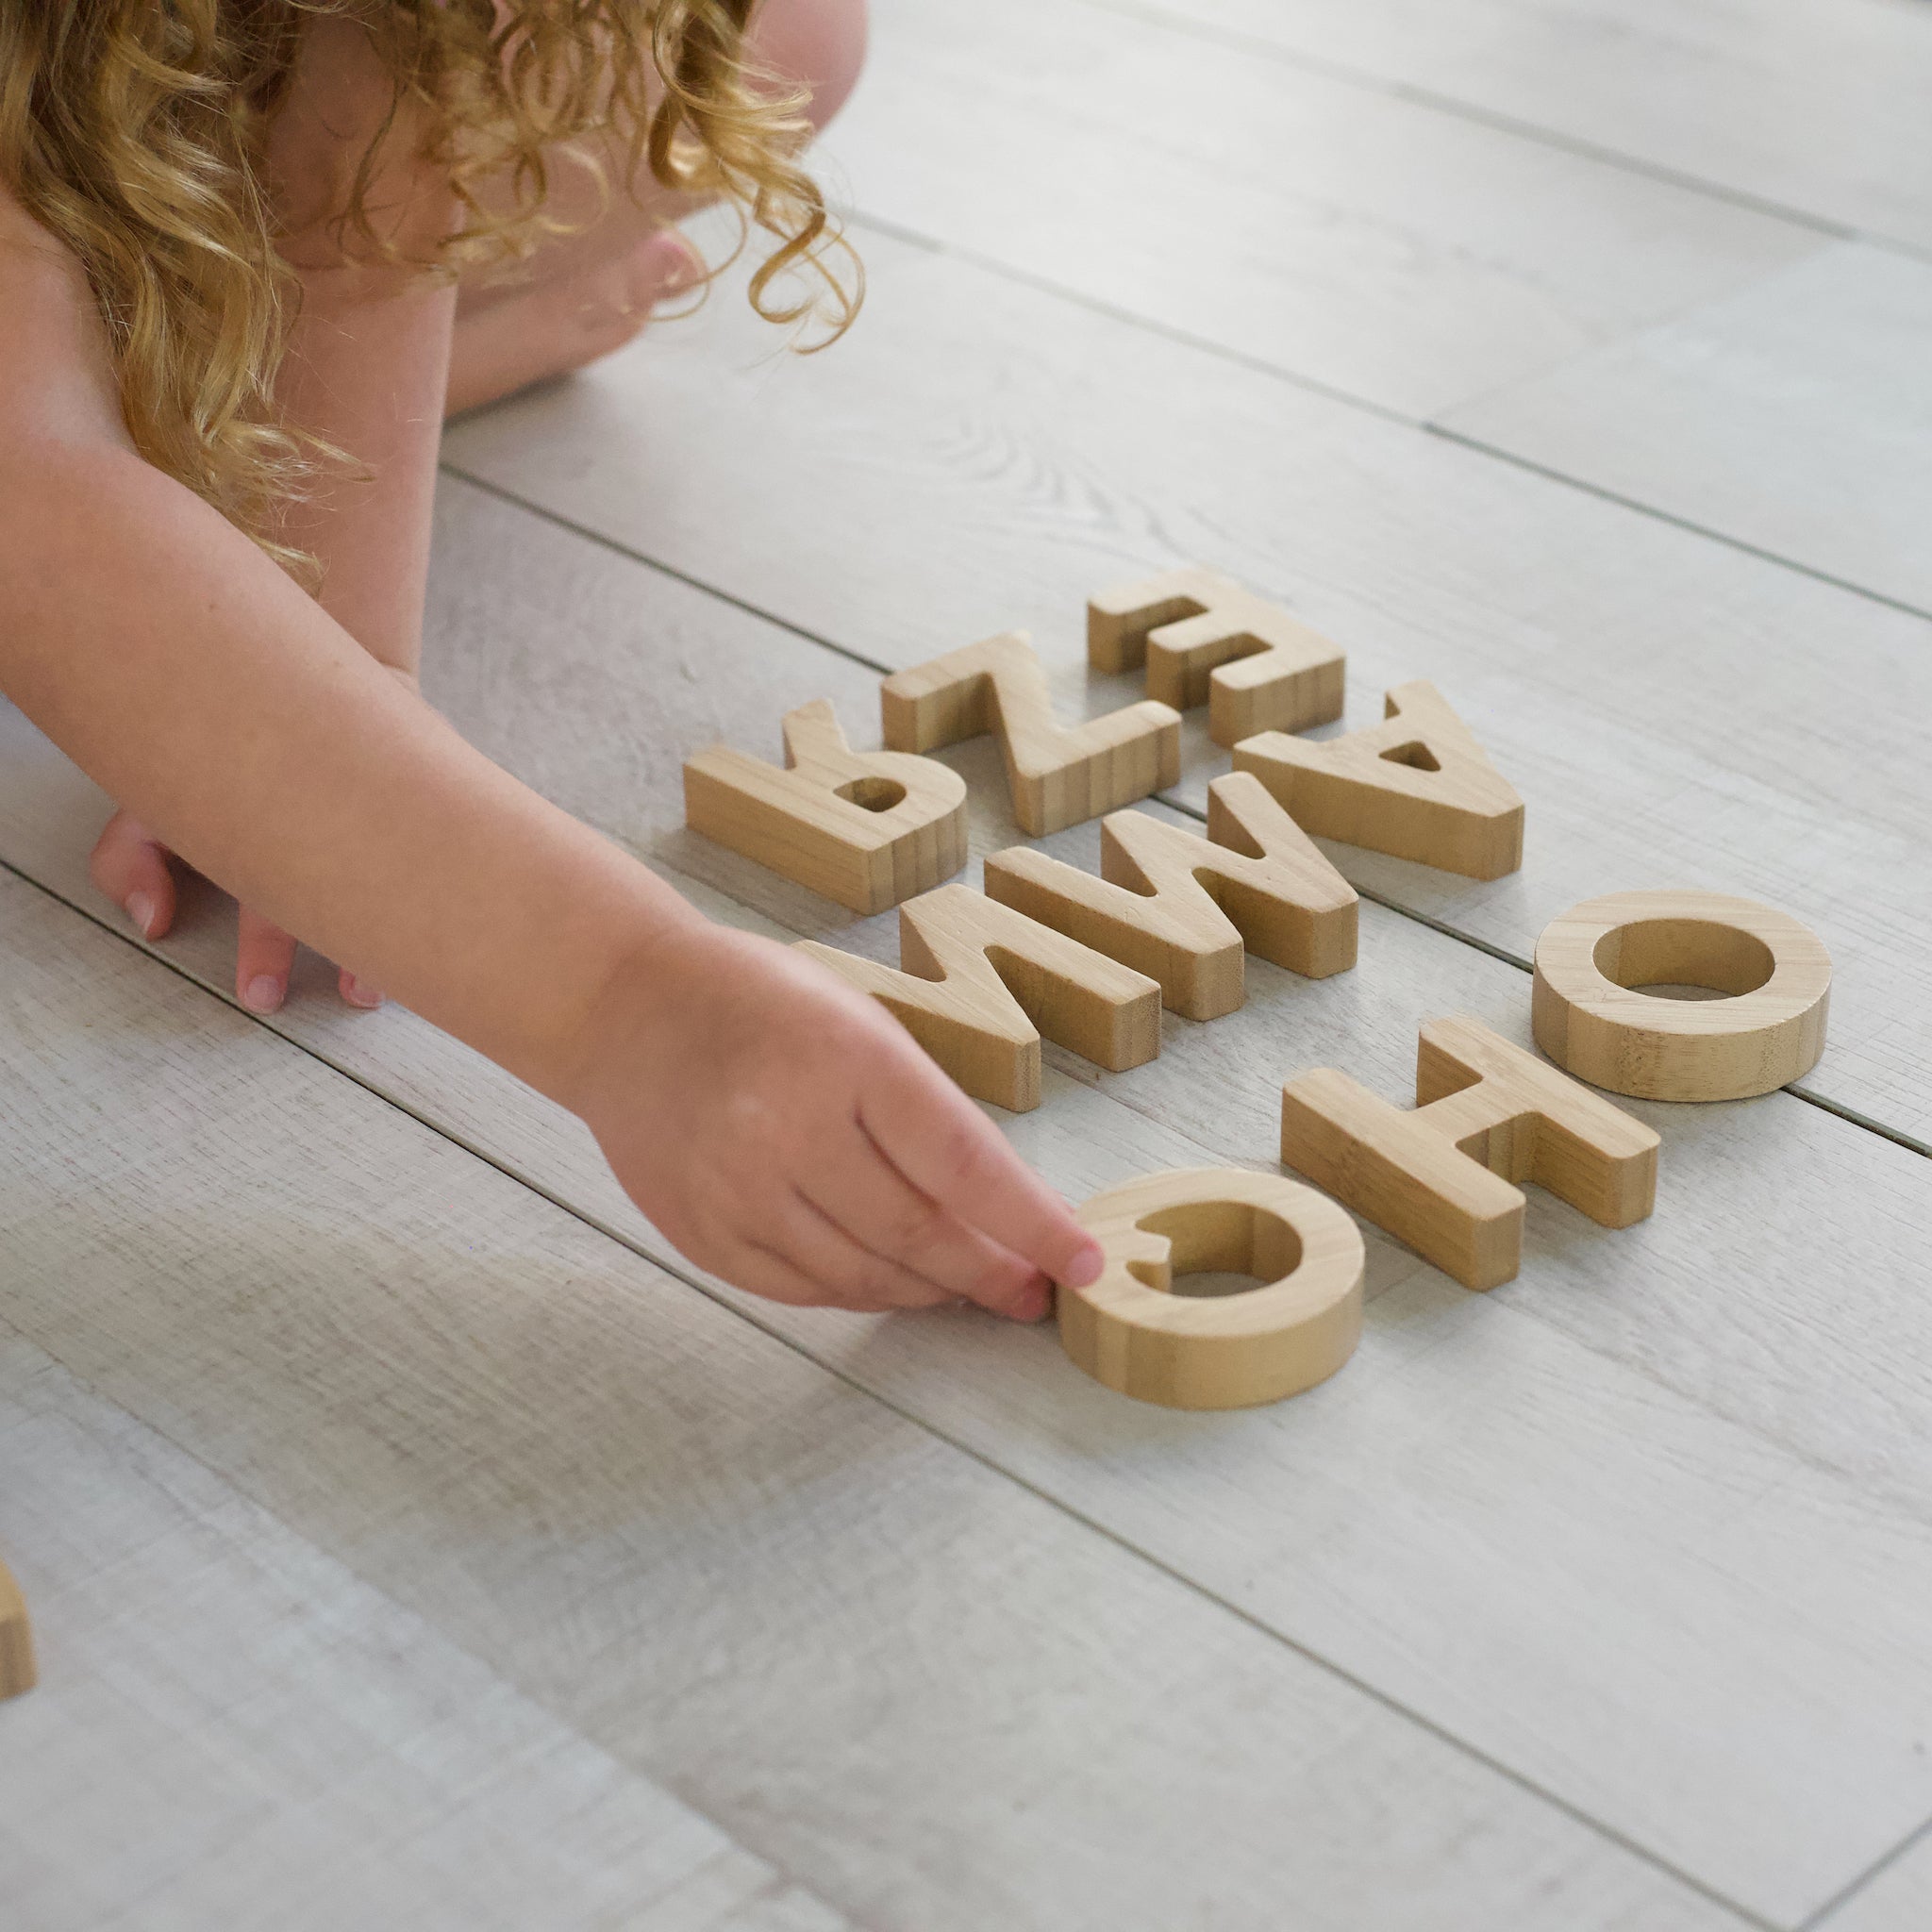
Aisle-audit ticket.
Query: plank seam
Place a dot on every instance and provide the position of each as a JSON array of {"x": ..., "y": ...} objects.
[
  {"x": 1094, "y": 304},
  {"x": 1348, "y": 399},
  {"x": 1876, "y": 1869},
  {"x": 1456, "y": 107},
  {"x": 1850, "y": 1115},
  {"x": 695, "y": 1282},
  {"x": 1497, "y": 452}
]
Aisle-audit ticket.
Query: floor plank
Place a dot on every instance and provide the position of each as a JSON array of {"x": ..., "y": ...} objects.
[
  {"x": 885, "y": 1668},
  {"x": 1662, "y": 700},
  {"x": 226, "y": 1717},
  {"x": 1794, "y": 415},
  {"x": 1579, "y": 1440},
  {"x": 1337, "y": 233},
  {"x": 1898, "y": 1899},
  {"x": 1816, "y": 106}
]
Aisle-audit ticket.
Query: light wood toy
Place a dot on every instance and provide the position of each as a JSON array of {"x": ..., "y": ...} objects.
[
  {"x": 1205, "y": 641},
  {"x": 980, "y": 983},
  {"x": 865, "y": 828},
  {"x": 1184, "y": 909},
  {"x": 16, "y": 1639},
  {"x": 1417, "y": 787},
  {"x": 1130, "y": 1331},
  {"x": 1591, "y": 1018},
  {"x": 1059, "y": 774},
  {"x": 1442, "y": 1178}
]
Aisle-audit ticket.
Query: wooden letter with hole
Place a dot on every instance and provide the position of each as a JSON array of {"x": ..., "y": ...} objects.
[
  {"x": 865, "y": 828},
  {"x": 1417, "y": 787},
  {"x": 1184, "y": 909},
  {"x": 1295, "y": 1328},
  {"x": 1058, "y": 775},
  {"x": 1443, "y": 1179},
  {"x": 1592, "y": 1017},
  {"x": 16, "y": 1640},
  {"x": 980, "y": 983},
  {"x": 1208, "y": 642}
]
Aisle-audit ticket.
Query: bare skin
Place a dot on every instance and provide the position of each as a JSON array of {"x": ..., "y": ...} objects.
[{"x": 778, "y": 1128}]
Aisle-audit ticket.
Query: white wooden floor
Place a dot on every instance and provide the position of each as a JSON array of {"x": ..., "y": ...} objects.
[{"x": 415, "y": 1541}]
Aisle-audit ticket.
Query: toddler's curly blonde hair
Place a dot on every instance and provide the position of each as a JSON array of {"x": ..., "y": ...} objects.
[{"x": 134, "y": 131}]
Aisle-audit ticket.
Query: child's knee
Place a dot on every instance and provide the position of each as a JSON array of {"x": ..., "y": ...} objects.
[{"x": 821, "y": 42}]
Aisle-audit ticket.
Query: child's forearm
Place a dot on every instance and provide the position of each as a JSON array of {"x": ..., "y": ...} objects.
[{"x": 192, "y": 680}]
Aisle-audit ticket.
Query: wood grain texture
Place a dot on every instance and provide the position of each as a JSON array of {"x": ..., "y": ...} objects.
[
  {"x": 1793, "y": 414},
  {"x": 977, "y": 984},
  {"x": 1058, "y": 775},
  {"x": 1660, "y": 700},
  {"x": 1206, "y": 640},
  {"x": 1442, "y": 1176},
  {"x": 1593, "y": 1015},
  {"x": 1295, "y": 1326},
  {"x": 1516, "y": 1536},
  {"x": 884, "y": 1667},
  {"x": 17, "y": 1674},
  {"x": 1355, "y": 240},
  {"x": 1418, "y": 785},
  {"x": 1185, "y": 909},
  {"x": 1818, "y": 104},
  {"x": 865, "y": 828},
  {"x": 235, "y": 1730}
]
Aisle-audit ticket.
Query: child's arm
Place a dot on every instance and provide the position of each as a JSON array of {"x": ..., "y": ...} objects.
[{"x": 782, "y": 1131}]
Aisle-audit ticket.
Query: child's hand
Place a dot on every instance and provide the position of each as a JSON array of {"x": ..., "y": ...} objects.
[
  {"x": 787, "y": 1135},
  {"x": 131, "y": 866}
]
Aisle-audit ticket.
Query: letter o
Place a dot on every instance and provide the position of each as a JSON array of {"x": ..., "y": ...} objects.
[
  {"x": 1766, "y": 1031},
  {"x": 1131, "y": 1332}
]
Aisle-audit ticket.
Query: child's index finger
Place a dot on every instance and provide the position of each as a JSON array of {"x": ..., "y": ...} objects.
[{"x": 952, "y": 1154}]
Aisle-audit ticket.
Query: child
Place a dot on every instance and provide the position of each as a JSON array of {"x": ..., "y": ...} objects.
[{"x": 242, "y": 246}]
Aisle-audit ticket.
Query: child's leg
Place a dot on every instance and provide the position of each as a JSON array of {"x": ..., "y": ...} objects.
[{"x": 589, "y": 292}]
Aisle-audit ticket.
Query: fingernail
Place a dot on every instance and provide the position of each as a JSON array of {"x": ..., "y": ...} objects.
[
  {"x": 141, "y": 909},
  {"x": 1087, "y": 1267},
  {"x": 263, "y": 993},
  {"x": 358, "y": 992}
]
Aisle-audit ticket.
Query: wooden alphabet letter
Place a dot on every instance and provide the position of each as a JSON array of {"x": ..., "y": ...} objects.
[
  {"x": 1488, "y": 1115},
  {"x": 980, "y": 983},
  {"x": 1057, "y": 775},
  {"x": 1418, "y": 787},
  {"x": 1183, "y": 910},
  {"x": 16, "y": 1640},
  {"x": 1591, "y": 1017},
  {"x": 1131, "y": 1331},
  {"x": 865, "y": 828},
  {"x": 1208, "y": 642}
]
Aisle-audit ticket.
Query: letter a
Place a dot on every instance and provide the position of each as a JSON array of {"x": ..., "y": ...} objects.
[{"x": 1418, "y": 787}]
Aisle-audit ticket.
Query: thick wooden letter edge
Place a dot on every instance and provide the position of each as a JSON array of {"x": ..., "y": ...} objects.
[
  {"x": 1417, "y": 787},
  {"x": 1207, "y": 640},
  {"x": 1442, "y": 1178},
  {"x": 16, "y": 1640},
  {"x": 1058, "y": 775},
  {"x": 1767, "y": 1031},
  {"x": 815, "y": 821},
  {"x": 1129, "y": 1332}
]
